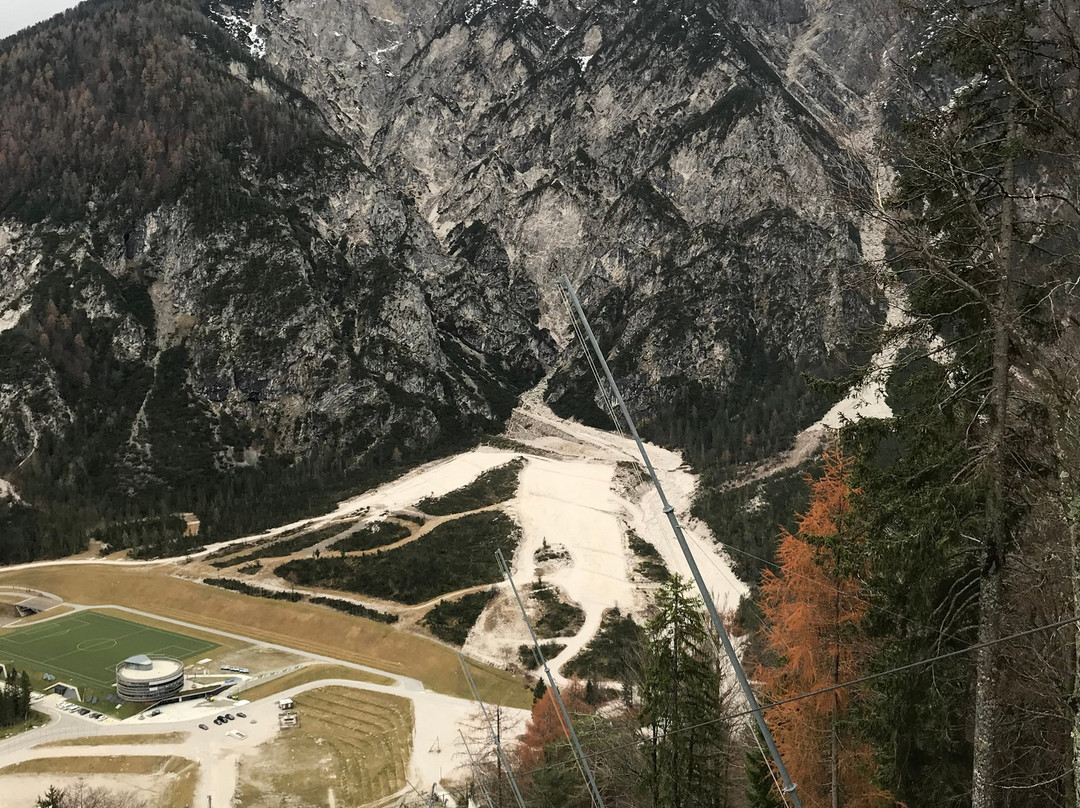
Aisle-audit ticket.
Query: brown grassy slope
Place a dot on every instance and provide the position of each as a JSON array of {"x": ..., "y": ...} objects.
[
  {"x": 297, "y": 625},
  {"x": 355, "y": 742}
]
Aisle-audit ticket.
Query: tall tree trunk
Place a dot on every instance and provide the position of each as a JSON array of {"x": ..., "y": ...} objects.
[
  {"x": 675, "y": 773},
  {"x": 834, "y": 744},
  {"x": 1073, "y": 519},
  {"x": 986, "y": 702},
  {"x": 997, "y": 530},
  {"x": 1066, "y": 425},
  {"x": 498, "y": 757}
]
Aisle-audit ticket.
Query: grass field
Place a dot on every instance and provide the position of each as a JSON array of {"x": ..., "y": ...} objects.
[
  {"x": 354, "y": 742},
  {"x": 119, "y": 740},
  {"x": 298, "y": 625},
  {"x": 82, "y": 649},
  {"x": 36, "y": 719}
]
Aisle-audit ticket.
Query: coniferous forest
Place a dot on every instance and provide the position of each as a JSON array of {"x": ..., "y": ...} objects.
[
  {"x": 109, "y": 112},
  {"x": 115, "y": 113},
  {"x": 14, "y": 698}
]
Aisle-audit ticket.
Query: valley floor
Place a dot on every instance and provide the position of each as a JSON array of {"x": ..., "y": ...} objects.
[{"x": 581, "y": 491}]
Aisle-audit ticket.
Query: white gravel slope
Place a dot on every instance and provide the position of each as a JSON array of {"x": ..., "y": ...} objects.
[{"x": 569, "y": 497}]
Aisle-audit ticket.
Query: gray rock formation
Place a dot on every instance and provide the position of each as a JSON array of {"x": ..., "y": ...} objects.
[
  {"x": 650, "y": 151},
  {"x": 398, "y": 291}
]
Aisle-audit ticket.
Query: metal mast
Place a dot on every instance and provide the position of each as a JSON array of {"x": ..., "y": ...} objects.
[
  {"x": 582, "y": 761},
  {"x": 494, "y": 735},
  {"x": 729, "y": 649}
]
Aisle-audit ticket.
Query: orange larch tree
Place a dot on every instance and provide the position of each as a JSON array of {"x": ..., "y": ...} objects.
[
  {"x": 813, "y": 611},
  {"x": 545, "y": 725}
]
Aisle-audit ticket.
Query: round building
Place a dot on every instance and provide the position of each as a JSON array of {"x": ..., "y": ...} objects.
[{"x": 149, "y": 678}]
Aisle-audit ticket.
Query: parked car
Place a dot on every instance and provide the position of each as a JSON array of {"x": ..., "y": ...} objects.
[
  {"x": 241, "y": 715},
  {"x": 203, "y": 726},
  {"x": 84, "y": 711},
  {"x": 229, "y": 716}
]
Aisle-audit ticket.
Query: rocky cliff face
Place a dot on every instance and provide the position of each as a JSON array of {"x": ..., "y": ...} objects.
[
  {"x": 838, "y": 56},
  {"x": 396, "y": 287},
  {"x": 328, "y": 314},
  {"x": 651, "y": 151}
]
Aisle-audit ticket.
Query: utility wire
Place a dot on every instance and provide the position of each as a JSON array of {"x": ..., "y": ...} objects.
[
  {"x": 772, "y": 773},
  {"x": 823, "y": 585},
  {"x": 608, "y": 407},
  {"x": 822, "y": 691}
]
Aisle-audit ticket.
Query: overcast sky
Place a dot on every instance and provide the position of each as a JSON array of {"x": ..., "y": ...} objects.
[{"x": 17, "y": 14}]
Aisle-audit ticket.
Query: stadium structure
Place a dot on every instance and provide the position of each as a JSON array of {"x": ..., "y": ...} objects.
[{"x": 149, "y": 678}]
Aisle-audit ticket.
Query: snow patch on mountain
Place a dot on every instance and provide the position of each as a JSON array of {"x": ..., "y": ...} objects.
[{"x": 243, "y": 31}]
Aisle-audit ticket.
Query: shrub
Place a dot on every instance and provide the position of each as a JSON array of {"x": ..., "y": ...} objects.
[
  {"x": 549, "y": 649},
  {"x": 357, "y": 609},
  {"x": 558, "y": 618},
  {"x": 284, "y": 547},
  {"x": 650, "y": 564},
  {"x": 612, "y": 652},
  {"x": 256, "y": 591},
  {"x": 451, "y": 620},
  {"x": 377, "y": 534},
  {"x": 455, "y": 555},
  {"x": 490, "y": 488}
]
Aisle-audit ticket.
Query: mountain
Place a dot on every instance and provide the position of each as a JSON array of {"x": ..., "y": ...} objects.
[
  {"x": 253, "y": 253},
  {"x": 649, "y": 151}
]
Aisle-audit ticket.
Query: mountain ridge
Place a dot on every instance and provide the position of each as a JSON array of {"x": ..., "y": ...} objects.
[{"x": 380, "y": 281}]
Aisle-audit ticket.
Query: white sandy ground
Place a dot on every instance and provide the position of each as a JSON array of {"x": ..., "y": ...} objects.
[
  {"x": 22, "y": 790},
  {"x": 567, "y": 496}
]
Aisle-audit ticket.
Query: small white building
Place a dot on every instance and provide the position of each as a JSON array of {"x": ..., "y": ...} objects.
[{"x": 285, "y": 704}]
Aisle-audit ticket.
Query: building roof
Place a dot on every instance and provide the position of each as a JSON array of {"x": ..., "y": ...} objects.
[
  {"x": 143, "y": 668},
  {"x": 39, "y": 603}
]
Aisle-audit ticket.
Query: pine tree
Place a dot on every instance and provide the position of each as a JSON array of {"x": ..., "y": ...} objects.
[
  {"x": 53, "y": 798},
  {"x": 24, "y": 696},
  {"x": 986, "y": 207},
  {"x": 917, "y": 517},
  {"x": 681, "y": 700},
  {"x": 814, "y": 612}
]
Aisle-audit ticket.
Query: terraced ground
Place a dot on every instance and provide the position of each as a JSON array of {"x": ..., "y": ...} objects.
[{"x": 356, "y": 743}]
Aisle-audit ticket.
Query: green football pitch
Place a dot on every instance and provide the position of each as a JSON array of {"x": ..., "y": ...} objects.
[{"x": 83, "y": 649}]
